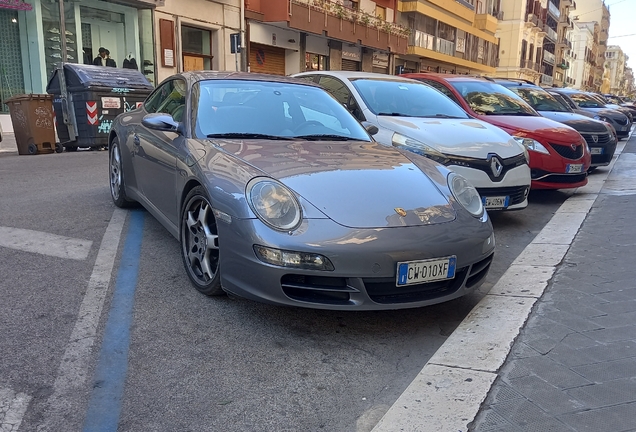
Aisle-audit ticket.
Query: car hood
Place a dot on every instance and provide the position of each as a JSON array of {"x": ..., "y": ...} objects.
[
  {"x": 575, "y": 121},
  {"x": 540, "y": 127},
  {"x": 356, "y": 184},
  {"x": 606, "y": 112},
  {"x": 462, "y": 137}
]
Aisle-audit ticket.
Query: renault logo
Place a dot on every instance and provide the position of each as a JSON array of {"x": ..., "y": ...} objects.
[
  {"x": 595, "y": 138},
  {"x": 400, "y": 211},
  {"x": 496, "y": 165}
]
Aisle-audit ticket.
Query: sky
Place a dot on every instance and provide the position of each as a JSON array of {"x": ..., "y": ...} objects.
[{"x": 623, "y": 23}]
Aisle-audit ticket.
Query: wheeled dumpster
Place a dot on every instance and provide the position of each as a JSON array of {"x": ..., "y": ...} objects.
[{"x": 87, "y": 99}]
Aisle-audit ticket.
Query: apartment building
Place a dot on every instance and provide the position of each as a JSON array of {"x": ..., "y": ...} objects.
[
  {"x": 595, "y": 11},
  {"x": 449, "y": 36},
  {"x": 290, "y": 36},
  {"x": 584, "y": 57},
  {"x": 615, "y": 65}
]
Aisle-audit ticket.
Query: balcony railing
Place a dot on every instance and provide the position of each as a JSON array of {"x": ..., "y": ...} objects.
[
  {"x": 423, "y": 40},
  {"x": 445, "y": 46},
  {"x": 547, "y": 79},
  {"x": 550, "y": 33},
  {"x": 548, "y": 57},
  {"x": 529, "y": 64},
  {"x": 465, "y": 4},
  {"x": 554, "y": 9}
]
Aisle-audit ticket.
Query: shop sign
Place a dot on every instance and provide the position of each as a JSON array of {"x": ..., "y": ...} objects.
[
  {"x": 380, "y": 59},
  {"x": 16, "y": 5},
  {"x": 351, "y": 53}
]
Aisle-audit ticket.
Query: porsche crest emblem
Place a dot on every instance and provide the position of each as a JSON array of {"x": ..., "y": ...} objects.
[{"x": 400, "y": 211}]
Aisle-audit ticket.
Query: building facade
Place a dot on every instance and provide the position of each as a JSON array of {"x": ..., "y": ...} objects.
[
  {"x": 290, "y": 36},
  {"x": 157, "y": 37},
  {"x": 595, "y": 11},
  {"x": 615, "y": 64},
  {"x": 583, "y": 60},
  {"x": 450, "y": 36}
]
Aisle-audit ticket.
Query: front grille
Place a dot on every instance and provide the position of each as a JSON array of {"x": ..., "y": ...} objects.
[
  {"x": 540, "y": 175},
  {"x": 517, "y": 193},
  {"x": 484, "y": 164},
  {"x": 478, "y": 271},
  {"x": 567, "y": 151},
  {"x": 384, "y": 290},
  {"x": 622, "y": 121},
  {"x": 317, "y": 289},
  {"x": 602, "y": 139}
]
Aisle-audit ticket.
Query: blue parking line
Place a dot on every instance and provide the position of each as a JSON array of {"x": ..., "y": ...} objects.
[{"x": 110, "y": 376}]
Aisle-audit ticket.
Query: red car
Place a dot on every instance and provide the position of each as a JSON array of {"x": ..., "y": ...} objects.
[{"x": 559, "y": 155}]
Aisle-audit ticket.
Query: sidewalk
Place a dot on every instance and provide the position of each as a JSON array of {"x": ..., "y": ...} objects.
[
  {"x": 573, "y": 366},
  {"x": 8, "y": 144}
]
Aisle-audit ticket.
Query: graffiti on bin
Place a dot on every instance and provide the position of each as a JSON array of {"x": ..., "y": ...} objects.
[
  {"x": 105, "y": 125},
  {"x": 121, "y": 90},
  {"x": 44, "y": 118}
]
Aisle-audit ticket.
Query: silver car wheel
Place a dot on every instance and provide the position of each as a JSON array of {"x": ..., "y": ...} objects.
[
  {"x": 200, "y": 243},
  {"x": 115, "y": 171}
]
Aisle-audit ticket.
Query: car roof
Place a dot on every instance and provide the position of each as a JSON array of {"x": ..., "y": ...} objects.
[
  {"x": 357, "y": 75},
  {"x": 247, "y": 76},
  {"x": 451, "y": 77},
  {"x": 516, "y": 83}
]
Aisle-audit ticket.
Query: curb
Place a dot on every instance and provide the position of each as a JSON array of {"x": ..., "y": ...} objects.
[{"x": 448, "y": 392}]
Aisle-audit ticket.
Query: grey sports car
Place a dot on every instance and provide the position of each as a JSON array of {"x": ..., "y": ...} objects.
[{"x": 278, "y": 194}]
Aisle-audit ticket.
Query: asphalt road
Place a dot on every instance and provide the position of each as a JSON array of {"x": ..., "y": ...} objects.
[{"x": 197, "y": 363}]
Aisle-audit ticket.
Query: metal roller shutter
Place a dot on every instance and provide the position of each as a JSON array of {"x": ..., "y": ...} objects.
[
  {"x": 380, "y": 70},
  {"x": 267, "y": 59},
  {"x": 350, "y": 65}
]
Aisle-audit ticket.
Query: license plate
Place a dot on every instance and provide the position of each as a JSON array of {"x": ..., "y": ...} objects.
[
  {"x": 415, "y": 272},
  {"x": 596, "y": 150},
  {"x": 574, "y": 168},
  {"x": 496, "y": 202},
  {"x": 624, "y": 128}
]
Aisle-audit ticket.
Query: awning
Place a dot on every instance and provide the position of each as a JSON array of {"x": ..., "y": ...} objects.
[{"x": 140, "y": 3}]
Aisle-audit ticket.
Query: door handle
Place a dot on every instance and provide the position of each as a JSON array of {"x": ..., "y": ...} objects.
[{"x": 136, "y": 139}]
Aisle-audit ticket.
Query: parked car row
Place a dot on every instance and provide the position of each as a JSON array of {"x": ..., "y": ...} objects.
[{"x": 375, "y": 197}]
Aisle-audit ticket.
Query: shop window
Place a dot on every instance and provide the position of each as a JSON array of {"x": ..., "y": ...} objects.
[
  {"x": 315, "y": 62},
  {"x": 197, "y": 48}
]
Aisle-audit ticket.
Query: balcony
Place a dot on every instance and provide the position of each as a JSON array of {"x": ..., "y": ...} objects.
[
  {"x": 547, "y": 79},
  {"x": 564, "y": 43},
  {"x": 548, "y": 57},
  {"x": 445, "y": 47},
  {"x": 550, "y": 33},
  {"x": 554, "y": 10},
  {"x": 530, "y": 65},
  {"x": 422, "y": 40},
  {"x": 565, "y": 22},
  {"x": 566, "y": 3},
  {"x": 330, "y": 18},
  {"x": 487, "y": 22},
  {"x": 532, "y": 20}
]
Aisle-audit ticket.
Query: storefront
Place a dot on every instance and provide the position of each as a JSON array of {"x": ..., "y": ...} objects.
[
  {"x": 33, "y": 41},
  {"x": 316, "y": 53},
  {"x": 351, "y": 58},
  {"x": 273, "y": 50}
]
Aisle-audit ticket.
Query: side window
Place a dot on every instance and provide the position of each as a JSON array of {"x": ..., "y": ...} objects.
[
  {"x": 442, "y": 88},
  {"x": 169, "y": 98},
  {"x": 342, "y": 95}
]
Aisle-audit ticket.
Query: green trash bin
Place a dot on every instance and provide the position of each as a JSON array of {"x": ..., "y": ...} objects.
[{"x": 33, "y": 123}]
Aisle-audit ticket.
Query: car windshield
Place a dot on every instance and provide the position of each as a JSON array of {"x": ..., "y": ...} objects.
[
  {"x": 490, "y": 98},
  {"x": 407, "y": 99},
  {"x": 539, "y": 99},
  {"x": 585, "y": 101},
  {"x": 270, "y": 110}
]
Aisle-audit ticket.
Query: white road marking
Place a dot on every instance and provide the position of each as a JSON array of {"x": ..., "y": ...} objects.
[
  {"x": 448, "y": 392},
  {"x": 12, "y": 408},
  {"x": 74, "y": 368},
  {"x": 44, "y": 243}
]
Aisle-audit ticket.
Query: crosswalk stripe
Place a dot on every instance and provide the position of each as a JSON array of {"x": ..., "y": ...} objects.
[{"x": 44, "y": 243}]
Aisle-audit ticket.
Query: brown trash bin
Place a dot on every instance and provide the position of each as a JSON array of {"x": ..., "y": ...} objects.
[{"x": 32, "y": 119}]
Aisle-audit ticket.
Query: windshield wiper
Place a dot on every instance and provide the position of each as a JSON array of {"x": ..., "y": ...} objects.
[
  {"x": 446, "y": 116},
  {"x": 325, "y": 137},
  {"x": 395, "y": 114},
  {"x": 514, "y": 113},
  {"x": 235, "y": 135}
]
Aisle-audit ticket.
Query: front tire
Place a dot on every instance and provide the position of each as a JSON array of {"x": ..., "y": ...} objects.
[
  {"x": 200, "y": 243},
  {"x": 116, "y": 174}
]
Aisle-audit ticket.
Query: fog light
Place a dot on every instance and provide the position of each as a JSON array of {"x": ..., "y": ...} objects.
[{"x": 291, "y": 259}]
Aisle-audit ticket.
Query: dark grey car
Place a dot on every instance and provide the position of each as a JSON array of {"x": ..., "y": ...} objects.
[
  {"x": 587, "y": 105},
  {"x": 598, "y": 134},
  {"x": 276, "y": 193}
]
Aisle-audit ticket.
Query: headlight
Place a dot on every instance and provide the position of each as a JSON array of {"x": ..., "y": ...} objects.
[
  {"x": 531, "y": 144},
  {"x": 418, "y": 147},
  {"x": 293, "y": 259},
  {"x": 466, "y": 194},
  {"x": 525, "y": 150},
  {"x": 274, "y": 204},
  {"x": 602, "y": 118}
]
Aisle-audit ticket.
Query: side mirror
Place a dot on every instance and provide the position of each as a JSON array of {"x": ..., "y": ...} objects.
[
  {"x": 161, "y": 122},
  {"x": 370, "y": 127}
]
